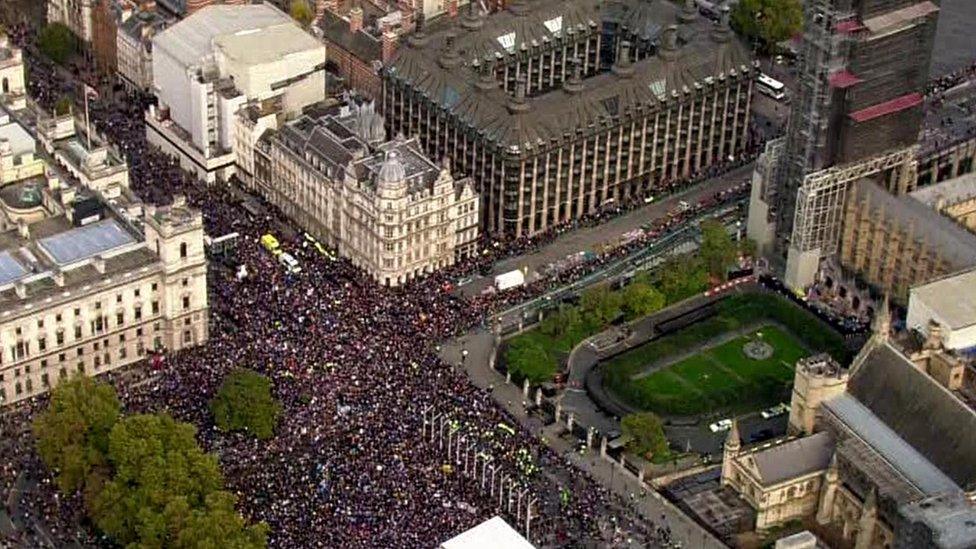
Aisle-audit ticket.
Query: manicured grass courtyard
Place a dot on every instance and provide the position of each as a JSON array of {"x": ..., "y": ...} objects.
[{"x": 722, "y": 377}]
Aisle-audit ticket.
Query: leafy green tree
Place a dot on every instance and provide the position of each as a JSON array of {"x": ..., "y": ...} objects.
[
  {"x": 57, "y": 42},
  {"x": 600, "y": 305},
  {"x": 646, "y": 433},
  {"x": 718, "y": 251},
  {"x": 748, "y": 247},
  {"x": 244, "y": 403},
  {"x": 72, "y": 434},
  {"x": 301, "y": 12},
  {"x": 219, "y": 525},
  {"x": 63, "y": 106},
  {"x": 768, "y": 21},
  {"x": 682, "y": 276},
  {"x": 527, "y": 358},
  {"x": 641, "y": 299},
  {"x": 564, "y": 319},
  {"x": 161, "y": 475}
]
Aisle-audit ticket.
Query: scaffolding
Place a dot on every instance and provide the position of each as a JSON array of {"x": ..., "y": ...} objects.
[{"x": 819, "y": 212}]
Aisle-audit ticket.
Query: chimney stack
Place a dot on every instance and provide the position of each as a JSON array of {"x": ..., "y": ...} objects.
[
  {"x": 388, "y": 46},
  {"x": 355, "y": 19},
  {"x": 623, "y": 68},
  {"x": 518, "y": 104}
]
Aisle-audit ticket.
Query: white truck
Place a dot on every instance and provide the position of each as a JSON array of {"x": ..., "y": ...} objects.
[{"x": 511, "y": 279}]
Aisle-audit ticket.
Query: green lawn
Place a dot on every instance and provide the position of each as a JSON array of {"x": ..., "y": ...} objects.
[{"x": 723, "y": 377}]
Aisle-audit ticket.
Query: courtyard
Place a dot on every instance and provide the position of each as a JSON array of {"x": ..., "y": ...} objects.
[{"x": 738, "y": 358}]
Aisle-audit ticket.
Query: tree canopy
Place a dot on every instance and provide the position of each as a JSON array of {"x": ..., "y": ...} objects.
[
  {"x": 641, "y": 298},
  {"x": 147, "y": 482},
  {"x": 768, "y": 21},
  {"x": 244, "y": 403},
  {"x": 57, "y": 42},
  {"x": 527, "y": 358},
  {"x": 600, "y": 305},
  {"x": 72, "y": 434},
  {"x": 718, "y": 251},
  {"x": 682, "y": 276},
  {"x": 301, "y": 12},
  {"x": 646, "y": 433}
]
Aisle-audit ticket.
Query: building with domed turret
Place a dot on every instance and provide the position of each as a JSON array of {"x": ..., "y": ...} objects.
[{"x": 381, "y": 203}]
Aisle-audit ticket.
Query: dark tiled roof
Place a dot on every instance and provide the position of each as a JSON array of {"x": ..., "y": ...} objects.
[
  {"x": 361, "y": 44},
  {"x": 795, "y": 458},
  {"x": 704, "y": 52},
  {"x": 922, "y": 412}
]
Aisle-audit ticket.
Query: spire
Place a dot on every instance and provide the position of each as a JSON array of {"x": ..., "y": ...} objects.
[
  {"x": 419, "y": 37},
  {"x": 733, "y": 442},
  {"x": 449, "y": 57},
  {"x": 723, "y": 31},
  {"x": 487, "y": 80},
  {"x": 669, "y": 43}
]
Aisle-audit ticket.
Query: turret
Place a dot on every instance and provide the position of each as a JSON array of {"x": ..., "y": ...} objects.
[{"x": 733, "y": 444}]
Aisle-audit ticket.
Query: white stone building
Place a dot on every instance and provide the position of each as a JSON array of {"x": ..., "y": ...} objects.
[
  {"x": 382, "y": 204},
  {"x": 86, "y": 290},
  {"x": 13, "y": 90},
  {"x": 221, "y": 58},
  {"x": 18, "y": 159},
  {"x": 134, "y": 48}
]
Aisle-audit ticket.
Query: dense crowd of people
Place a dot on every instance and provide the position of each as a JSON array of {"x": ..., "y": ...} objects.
[{"x": 354, "y": 367}]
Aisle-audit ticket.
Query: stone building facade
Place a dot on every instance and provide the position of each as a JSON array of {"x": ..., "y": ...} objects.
[
  {"x": 895, "y": 242},
  {"x": 13, "y": 86},
  {"x": 954, "y": 198},
  {"x": 72, "y": 312},
  {"x": 359, "y": 43},
  {"x": 134, "y": 48},
  {"x": 76, "y": 15},
  {"x": 382, "y": 204},
  {"x": 558, "y": 110}
]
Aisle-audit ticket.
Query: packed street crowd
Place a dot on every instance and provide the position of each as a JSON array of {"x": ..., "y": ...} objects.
[{"x": 354, "y": 368}]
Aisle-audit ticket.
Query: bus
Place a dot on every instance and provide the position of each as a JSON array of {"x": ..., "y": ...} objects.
[{"x": 771, "y": 87}]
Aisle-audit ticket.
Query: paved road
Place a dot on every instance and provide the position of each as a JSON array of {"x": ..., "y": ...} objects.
[
  {"x": 954, "y": 37},
  {"x": 590, "y": 238}
]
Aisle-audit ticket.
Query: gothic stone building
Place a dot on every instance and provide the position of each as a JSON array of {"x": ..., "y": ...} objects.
[{"x": 557, "y": 109}]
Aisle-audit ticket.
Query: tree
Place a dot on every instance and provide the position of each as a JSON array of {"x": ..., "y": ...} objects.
[
  {"x": 63, "y": 106},
  {"x": 301, "y": 12},
  {"x": 718, "y": 251},
  {"x": 646, "y": 433},
  {"x": 564, "y": 319},
  {"x": 641, "y": 299},
  {"x": 682, "y": 276},
  {"x": 161, "y": 477},
  {"x": 57, "y": 42},
  {"x": 244, "y": 403},
  {"x": 527, "y": 358},
  {"x": 219, "y": 525},
  {"x": 600, "y": 305},
  {"x": 768, "y": 21},
  {"x": 72, "y": 435}
]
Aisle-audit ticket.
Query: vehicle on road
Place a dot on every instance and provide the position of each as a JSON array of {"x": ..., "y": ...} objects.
[
  {"x": 771, "y": 87},
  {"x": 270, "y": 243},
  {"x": 290, "y": 263},
  {"x": 721, "y": 425},
  {"x": 511, "y": 279},
  {"x": 777, "y": 410}
]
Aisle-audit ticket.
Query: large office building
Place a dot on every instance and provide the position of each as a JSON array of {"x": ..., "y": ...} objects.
[
  {"x": 134, "y": 48},
  {"x": 856, "y": 115},
  {"x": 383, "y": 204},
  {"x": 211, "y": 64},
  {"x": 560, "y": 109}
]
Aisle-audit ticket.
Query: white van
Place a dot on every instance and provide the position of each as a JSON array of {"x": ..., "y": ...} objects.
[{"x": 290, "y": 263}]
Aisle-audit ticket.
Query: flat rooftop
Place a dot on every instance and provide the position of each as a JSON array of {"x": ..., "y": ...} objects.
[
  {"x": 952, "y": 191},
  {"x": 20, "y": 141},
  {"x": 952, "y": 297}
]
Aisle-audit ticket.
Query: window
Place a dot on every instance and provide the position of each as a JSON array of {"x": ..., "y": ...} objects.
[
  {"x": 122, "y": 353},
  {"x": 80, "y": 367},
  {"x": 186, "y": 302},
  {"x": 63, "y": 373},
  {"x": 45, "y": 380},
  {"x": 44, "y": 364},
  {"x": 118, "y": 298},
  {"x": 138, "y": 332},
  {"x": 57, "y": 317},
  {"x": 62, "y": 357},
  {"x": 77, "y": 332},
  {"x": 59, "y": 337},
  {"x": 187, "y": 336},
  {"x": 119, "y": 318},
  {"x": 155, "y": 307},
  {"x": 40, "y": 323},
  {"x": 182, "y": 250},
  {"x": 81, "y": 351},
  {"x": 136, "y": 292},
  {"x": 186, "y": 282},
  {"x": 97, "y": 346},
  {"x": 155, "y": 286},
  {"x": 138, "y": 314},
  {"x": 122, "y": 338},
  {"x": 41, "y": 344},
  {"x": 77, "y": 312}
]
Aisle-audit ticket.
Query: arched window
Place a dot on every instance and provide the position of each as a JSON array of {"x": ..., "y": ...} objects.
[{"x": 182, "y": 249}]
